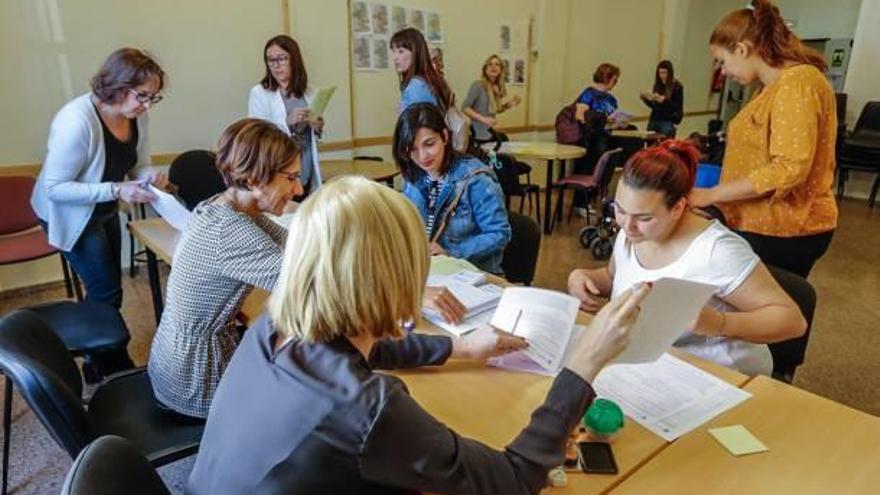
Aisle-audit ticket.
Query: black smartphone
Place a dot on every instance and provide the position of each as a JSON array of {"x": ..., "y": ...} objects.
[{"x": 596, "y": 457}]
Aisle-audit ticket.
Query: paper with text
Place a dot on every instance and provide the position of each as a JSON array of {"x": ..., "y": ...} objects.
[
  {"x": 543, "y": 317},
  {"x": 669, "y": 396},
  {"x": 665, "y": 314}
]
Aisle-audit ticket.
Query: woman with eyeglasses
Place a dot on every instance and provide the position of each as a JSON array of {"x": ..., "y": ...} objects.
[
  {"x": 228, "y": 248},
  {"x": 98, "y": 154},
  {"x": 283, "y": 98}
]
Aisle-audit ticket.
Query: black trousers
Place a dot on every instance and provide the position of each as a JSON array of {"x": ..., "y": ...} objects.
[{"x": 795, "y": 254}]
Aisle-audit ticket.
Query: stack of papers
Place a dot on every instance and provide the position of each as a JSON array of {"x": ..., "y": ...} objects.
[
  {"x": 479, "y": 302},
  {"x": 669, "y": 396},
  {"x": 170, "y": 209}
]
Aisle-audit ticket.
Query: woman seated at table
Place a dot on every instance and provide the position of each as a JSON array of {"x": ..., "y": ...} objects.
[
  {"x": 660, "y": 237},
  {"x": 300, "y": 409},
  {"x": 228, "y": 248},
  {"x": 458, "y": 196}
]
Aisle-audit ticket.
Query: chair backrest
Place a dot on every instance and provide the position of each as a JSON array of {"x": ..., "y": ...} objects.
[
  {"x": 521, "y": 254},
  {"x": 112, "y": 465},
  {"x": 15, "y": 203},
  {"x": 789, "y": 354},
  {"x": 43, "y": 370},
  {"x": 869, "y": 119},
  {"x": 605, "y": 166},
  {"x": 195, "y": 174},
  {"x": 507, "y": 171}
]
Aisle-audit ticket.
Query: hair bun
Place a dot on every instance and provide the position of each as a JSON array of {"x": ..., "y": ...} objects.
[{"x": 685, "y": 151}]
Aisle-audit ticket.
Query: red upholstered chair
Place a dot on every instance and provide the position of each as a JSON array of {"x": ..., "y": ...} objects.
[
  {"x": 21, "y": 237},
  {"x": 594, "y": 185}
]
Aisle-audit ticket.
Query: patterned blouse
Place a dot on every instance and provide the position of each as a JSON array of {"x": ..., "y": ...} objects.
[
  {"x": 220, "y": 257},
  {"x": 783, "y": 141}
]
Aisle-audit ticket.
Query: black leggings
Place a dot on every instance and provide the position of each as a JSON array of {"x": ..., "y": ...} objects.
[{"x": 795, "y": 254}]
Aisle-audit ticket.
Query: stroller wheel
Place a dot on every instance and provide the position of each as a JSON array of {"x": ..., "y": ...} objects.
[
  {"x": 602, "y": 249},
  {"x": 588, "y": 234}
]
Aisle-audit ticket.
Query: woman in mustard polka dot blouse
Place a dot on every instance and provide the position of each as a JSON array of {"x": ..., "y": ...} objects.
[{"x": 778, "y": 168}]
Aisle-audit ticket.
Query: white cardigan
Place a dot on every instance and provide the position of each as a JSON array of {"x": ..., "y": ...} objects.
[
  {"x": 70, "y": 184},
  {"x": 269, "y": 105}
]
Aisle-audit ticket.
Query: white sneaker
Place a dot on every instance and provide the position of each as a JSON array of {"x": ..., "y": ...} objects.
[{"x": 581, "y": 212}]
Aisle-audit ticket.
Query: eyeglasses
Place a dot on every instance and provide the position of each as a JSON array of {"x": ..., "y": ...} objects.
[
  {"x": 292, "y": 176},
  {"x": 145, "y": 97},
  {"x": 277, "y": 61}
]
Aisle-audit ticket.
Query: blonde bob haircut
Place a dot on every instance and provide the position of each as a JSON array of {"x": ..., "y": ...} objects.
[{"x": 355, "y": 264}]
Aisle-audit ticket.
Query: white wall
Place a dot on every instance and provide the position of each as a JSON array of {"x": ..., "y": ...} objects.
[{"x": 821, "y": 18}]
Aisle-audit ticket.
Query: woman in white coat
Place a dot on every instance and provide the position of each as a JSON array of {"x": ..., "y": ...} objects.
[{"x": 283, "y": 98}]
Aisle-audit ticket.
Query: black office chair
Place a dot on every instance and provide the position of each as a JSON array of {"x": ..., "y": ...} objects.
[
  {"x": 38, "y": 362},
  {"x": 90, "y": 329},
  {"x": 789, "y": 354},
  {"x": 860, "y": 150},
  {"x": 196, "y": 176},
  {"x": 521, "y": 254},
  {"x": 112, "y": 465}
]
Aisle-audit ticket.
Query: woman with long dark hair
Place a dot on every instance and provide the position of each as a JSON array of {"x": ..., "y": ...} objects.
[
  {"x": 778, "y": 167},
  {"x": 419, "y": 80},
  {"x": 666, "y": 100},
  {"x": 283, "y": 98}
]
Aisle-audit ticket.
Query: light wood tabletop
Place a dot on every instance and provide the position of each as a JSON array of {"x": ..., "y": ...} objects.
[
  {"x": 541, "y": 150},
  {"x": 371, "y": 169},
  {"x": 817, "y": 446},
  {"x": 637, "y": 134}
]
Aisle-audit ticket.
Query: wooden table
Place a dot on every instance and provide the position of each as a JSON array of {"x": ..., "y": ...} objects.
[
  {"x": 816, "y": 446},
  {"x": 371, "y": 169},
  {"x": 541, "y": 150}
]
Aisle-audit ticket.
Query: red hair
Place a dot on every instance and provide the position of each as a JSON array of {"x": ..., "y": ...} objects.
[
  {"x": 762, "y": 27},
  {"x": 670, "y": 167}
]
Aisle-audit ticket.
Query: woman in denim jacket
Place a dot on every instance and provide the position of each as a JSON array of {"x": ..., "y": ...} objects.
[{"x": 457, "y": 196}]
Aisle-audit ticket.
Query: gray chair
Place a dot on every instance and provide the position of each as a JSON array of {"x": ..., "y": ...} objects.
[{"x": 112, "y": 465}]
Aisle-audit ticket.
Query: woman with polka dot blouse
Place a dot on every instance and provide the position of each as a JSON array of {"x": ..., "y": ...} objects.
[{"x": 776, "y": 179}]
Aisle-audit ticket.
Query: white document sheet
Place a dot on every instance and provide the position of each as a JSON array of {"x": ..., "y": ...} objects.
[
  {"x": 479, "y": 302},
  {"x": 519, "y": 361},
  {"x": 543, "y": 317},
  {"x": 665, "y": 314},
  {"x": 170, "y": 209},
  {"x": 320, "y": 99},
  {"x": 669, "y": 396}
]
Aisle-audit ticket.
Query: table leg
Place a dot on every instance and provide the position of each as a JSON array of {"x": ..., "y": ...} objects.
[
  {"x": 155, "y": 284},
  {"x": 547, "y": 200}
]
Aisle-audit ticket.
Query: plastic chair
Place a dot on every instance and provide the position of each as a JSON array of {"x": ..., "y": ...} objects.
[
  {"x": 21, "y": 237},
  {"x": 196, "y": 176},
  {"x": 521, "y": 255},
  {"x": 789, "y": 354},
  {"x": 36, "y": 359},
  {"x": 860, "y": 150},
  {"x": 112, "y": 465},
  {"x": 593, "y": 185}
]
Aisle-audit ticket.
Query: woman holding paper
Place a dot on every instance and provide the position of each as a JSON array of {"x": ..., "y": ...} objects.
[
  {"x": 228, "y": 248},
  {"x": 301, "y": 392},
  {"x": 98, "y": 154},
  {"x": 661, "y": 237},
  {"x": 666, "y": 100},
  {"x": 778, "y": 171},
  {"x": 283, "y": 97},
  {"x": 486, "y": 99},
  {"x": 458, "y": 196}
]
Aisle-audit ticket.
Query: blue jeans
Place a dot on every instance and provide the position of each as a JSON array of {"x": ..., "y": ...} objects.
[
  {"x": 96, "y": 258},
  {"x": 664, "y": 127}
]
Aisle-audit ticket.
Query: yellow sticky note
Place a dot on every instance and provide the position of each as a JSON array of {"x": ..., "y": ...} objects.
[{"x": 738, "y": 440}]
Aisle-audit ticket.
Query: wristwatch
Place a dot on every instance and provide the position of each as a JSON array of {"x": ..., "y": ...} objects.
[{"x": 115, "y": 189}]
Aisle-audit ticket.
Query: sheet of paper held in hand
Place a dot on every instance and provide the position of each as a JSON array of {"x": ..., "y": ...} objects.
[
  {"x": 320, "y": 99},
  {"x": 170, "y": 209},
  {"x": 543, "y": 317},
  {"x": 668, "y": 396},
  {"x": 671, "y": 306}
]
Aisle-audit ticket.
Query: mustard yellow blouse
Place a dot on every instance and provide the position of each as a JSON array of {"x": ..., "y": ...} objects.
[{"x": 783, "y": 141}]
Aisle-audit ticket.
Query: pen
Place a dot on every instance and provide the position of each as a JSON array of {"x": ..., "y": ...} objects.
[{"x": 516, "y": 322}]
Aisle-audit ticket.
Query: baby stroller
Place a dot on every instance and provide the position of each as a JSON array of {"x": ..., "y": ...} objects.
[{"x": 599, "y": 238}]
